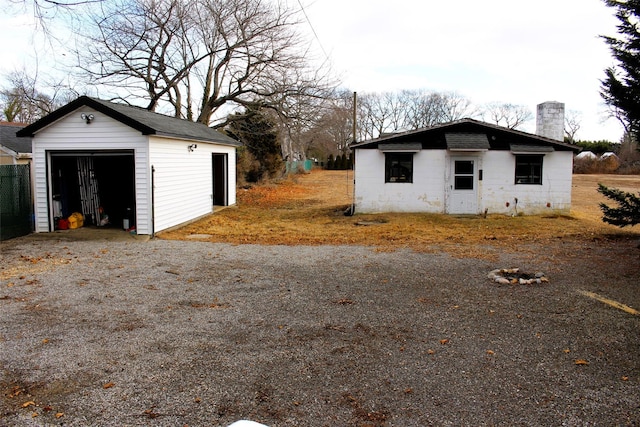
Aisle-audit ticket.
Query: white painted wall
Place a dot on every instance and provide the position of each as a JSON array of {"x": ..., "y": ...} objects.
[
  {"x": 428, "y": 193},
  {"x": 71, "y": 133},
  {"x": 425, "y": 194},
  {"x": 184, "y": 180},
  {"x": 498, "y": 186}
]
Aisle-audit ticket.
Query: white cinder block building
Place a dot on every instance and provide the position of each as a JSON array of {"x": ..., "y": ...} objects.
[
  {"x": 139, "y": 168},
  {"x": 465, "y": 167}
]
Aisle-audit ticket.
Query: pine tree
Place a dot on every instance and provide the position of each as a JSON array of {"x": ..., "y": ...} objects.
[
  {"x": 621, "y": 86},
  {"x": 628, "y": 211}
]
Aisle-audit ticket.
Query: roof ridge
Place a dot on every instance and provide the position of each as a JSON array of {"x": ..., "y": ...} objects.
[{"x": 108, "y": 103}]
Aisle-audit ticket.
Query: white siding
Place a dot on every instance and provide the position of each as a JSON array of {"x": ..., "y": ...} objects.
[
  {"x": 183, "y": 179},
  {"x": 72, "y": 133},
  {"x": 428, "y": 193}
]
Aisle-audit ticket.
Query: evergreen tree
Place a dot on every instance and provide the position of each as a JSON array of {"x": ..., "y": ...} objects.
[
  {"x": 621, "y": 86},
  {"x": 628, "y": 211},
  {"x": 330, "y": 163},
  {"x": 621, "y": 92},
  {"x": 261, "y": 142}
]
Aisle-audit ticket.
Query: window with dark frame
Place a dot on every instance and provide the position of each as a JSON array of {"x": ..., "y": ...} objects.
[
  {"x": 529, "y": 169},
  {"x": 398, "y": 167}
]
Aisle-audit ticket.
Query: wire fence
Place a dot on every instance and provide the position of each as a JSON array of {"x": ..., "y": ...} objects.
[{"x": 16, "y": 207}]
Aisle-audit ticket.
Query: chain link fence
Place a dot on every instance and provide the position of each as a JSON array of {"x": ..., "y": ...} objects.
[{"x": 16, "y": 207}]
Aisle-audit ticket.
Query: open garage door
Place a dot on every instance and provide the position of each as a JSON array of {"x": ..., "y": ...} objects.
[{"x": 98, "y": 184}]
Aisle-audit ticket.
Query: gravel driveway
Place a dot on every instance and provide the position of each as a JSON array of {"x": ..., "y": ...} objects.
[{"x": 170, "y": 333}]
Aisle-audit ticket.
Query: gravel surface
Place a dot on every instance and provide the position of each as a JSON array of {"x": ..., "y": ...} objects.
[{"x": 170, "y": 333}]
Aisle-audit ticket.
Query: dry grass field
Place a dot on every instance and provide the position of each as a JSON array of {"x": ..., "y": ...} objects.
[{"x": 308, "y": 209}]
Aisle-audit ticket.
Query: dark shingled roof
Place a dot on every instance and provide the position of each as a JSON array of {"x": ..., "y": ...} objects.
[
  {"x": 9, "y": 139},
  {"x": 400, "y": 147},
  {"x": 467, "y": 141},
  {"x": 469, "y": 134},
  {"x": 525, "y": 148},
  {"x": 145, "y": 121}
]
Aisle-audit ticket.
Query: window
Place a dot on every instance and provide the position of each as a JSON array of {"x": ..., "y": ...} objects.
[
  {"x": 463, "y": 175},
  {"x": 398, "y": 167},
  {"x": 529, "y": 169}
]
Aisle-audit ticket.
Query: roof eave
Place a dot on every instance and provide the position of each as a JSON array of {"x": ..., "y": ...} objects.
[
  {"x": 32, "y": 129},
  {"x": 232, "y": 143},
  {"x": 553, "y": 142}
]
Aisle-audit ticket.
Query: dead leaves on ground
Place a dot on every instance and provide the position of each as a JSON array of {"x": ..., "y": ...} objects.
[
  {"x": 370, "y": 417},
  {"x": 304, "y": 210},
  {"x": 31, "y": 265},
  {"x": 31, "y": 405},
  {"x": 213, "y": 304}
]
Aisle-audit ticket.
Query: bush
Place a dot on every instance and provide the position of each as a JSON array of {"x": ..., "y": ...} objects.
[
  {"x": 251, "y": 171},
  {"x": 629, "y": 168},
  {"x": 596, "y": 166}
]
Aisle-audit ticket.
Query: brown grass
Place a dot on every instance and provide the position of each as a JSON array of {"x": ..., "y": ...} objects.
[{"x": 308, "y": 209}]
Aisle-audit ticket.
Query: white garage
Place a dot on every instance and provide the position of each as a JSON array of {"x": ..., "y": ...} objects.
[{"x": 138, "y": 168}]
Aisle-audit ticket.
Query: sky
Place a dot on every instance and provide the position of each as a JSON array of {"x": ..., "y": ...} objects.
[{"x": 517, "y": 52}]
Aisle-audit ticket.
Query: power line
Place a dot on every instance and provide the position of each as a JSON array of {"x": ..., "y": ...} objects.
[{"x": 313, "y": 30}]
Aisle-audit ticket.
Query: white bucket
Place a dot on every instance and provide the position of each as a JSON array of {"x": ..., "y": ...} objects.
[{"x": 125, "y": 223}]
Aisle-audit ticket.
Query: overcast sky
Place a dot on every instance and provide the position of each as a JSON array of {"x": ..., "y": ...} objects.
[{"x": 518, "y": 52}]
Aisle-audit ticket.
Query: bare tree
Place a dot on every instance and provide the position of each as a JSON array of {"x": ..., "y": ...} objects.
[
  {"x": 45, "y": 11},
  {"x": 141, "y": 48},
  {"x": 201, "y": 56},
  {"x": 333, "y": 131},
  {"x": 380, "y": 113},
  {"x": 508, "y": 115},
  {"x": 24, "y": 101},
  {"x": 572, "y": 122},
  {"x": 455, "y": 107}
]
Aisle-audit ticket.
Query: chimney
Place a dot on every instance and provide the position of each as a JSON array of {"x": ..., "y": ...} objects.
[{"x": 550, "y": 120}]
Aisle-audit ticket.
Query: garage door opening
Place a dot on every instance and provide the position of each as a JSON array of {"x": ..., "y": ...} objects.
[{"x": 100, "y": 185}]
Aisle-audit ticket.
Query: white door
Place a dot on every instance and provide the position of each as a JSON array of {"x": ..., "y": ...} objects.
[{"x": 463, "y": 186}]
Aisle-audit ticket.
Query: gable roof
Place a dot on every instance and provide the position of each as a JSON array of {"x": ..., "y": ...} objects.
[
  {"x": 9, "y": 139},
  {"x": 145, "y": 121},
  {"x": 471, "y": 135}
]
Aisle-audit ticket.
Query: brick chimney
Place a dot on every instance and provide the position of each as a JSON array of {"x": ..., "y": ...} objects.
[{"x": 550, "y": 120}]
